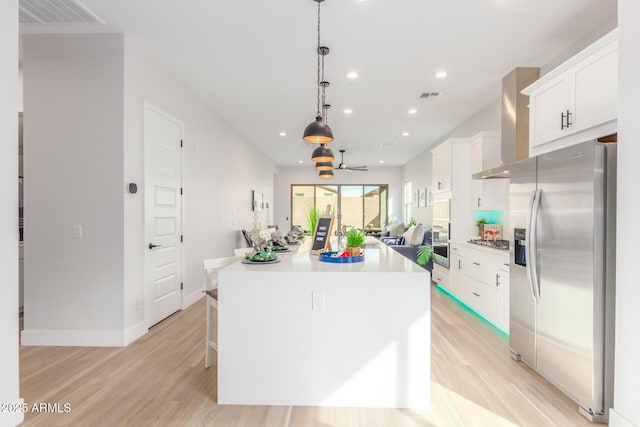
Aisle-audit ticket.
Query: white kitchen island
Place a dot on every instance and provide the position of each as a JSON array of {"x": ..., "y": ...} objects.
[{"x": 305, "y": 332}]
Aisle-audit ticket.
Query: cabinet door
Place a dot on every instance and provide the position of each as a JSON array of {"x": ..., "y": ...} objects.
[
  {"x": 483, "y": 298},
  {"x": 456, "y": 269},
  {"x": 442, "y": 169},
  {"x": 477, "y": 156},
  {"x": 547, "y": 105},
  {"x": 595, "y": 89},
  {"x": 503, "y": 300},
  {"x": 440, "y": 275}
]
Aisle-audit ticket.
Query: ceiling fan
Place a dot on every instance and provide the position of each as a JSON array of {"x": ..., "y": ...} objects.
[{"x": 343, "y": 166}]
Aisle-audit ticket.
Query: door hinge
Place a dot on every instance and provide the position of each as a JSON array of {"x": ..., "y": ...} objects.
[
  {"x": 181, "y": 239},
  {"x": 181, "y": 143},
  {"x": 181, "y": 286}
]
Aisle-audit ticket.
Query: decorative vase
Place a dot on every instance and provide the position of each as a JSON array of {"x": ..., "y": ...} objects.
[{"x": 353, "y": 251}]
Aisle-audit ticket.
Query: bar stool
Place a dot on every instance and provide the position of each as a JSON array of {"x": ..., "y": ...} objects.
[{"x": 211, "y": 268}]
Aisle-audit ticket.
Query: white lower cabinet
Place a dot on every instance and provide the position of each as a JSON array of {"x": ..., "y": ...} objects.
[
  {"x": 503, "y": 297},
  {"x": 440, "y": 275},
  {"x": 483, "y": 298},
  {"x": 480, "y": 277},
  {"x": 456, "y": 271}
]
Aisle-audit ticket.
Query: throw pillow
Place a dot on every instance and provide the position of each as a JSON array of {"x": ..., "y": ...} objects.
[
  {"x": 408, "y": 235},
  {"x": 417, "y": 236}
]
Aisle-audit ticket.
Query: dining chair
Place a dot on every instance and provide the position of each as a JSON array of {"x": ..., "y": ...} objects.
[{"x": 211, "y": 268}]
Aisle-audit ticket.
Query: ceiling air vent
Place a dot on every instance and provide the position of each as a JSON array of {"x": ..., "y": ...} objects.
[
  {"x": 56, "y": 12},
  {"x": 429, "y": 94}
]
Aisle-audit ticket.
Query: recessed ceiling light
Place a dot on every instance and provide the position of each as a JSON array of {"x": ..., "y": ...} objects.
[
  {"x": 381, "y": 161},
  {"x": 405, "y": 133},
  {"x": 283, "y": 134},
  {"x": 413, "y": 111},
  {"x": 347, "y": 111},
  {"x": 300, "y": 161},
  {"x": 441, "y": 74},
  {"x": 352, "y": 75}
]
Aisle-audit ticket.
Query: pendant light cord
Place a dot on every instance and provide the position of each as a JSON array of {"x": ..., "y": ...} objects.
[{"x": 319, "y": 55}]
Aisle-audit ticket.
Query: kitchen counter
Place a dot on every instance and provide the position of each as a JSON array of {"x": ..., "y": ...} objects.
[
  {"x": 488, "y": 249},
  {"x": 306, "y": 332}
]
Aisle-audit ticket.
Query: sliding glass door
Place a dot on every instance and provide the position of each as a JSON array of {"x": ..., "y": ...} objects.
[{"x": 363, "y": 206}]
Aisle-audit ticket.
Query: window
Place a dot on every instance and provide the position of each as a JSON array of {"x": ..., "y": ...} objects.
[{"x": 362, "y": 206}]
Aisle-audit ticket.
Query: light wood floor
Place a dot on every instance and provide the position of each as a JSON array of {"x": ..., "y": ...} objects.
[{"x": 160, "y": 380}]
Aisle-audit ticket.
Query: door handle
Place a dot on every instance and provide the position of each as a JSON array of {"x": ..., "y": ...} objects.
[{"x": 151, "y": 246}]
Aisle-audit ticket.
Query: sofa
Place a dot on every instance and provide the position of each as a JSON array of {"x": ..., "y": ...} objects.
[{"x": 398, "y": 243}]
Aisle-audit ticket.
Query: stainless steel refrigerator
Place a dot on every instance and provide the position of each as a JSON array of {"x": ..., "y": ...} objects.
[{"x": 562, "y": 210}]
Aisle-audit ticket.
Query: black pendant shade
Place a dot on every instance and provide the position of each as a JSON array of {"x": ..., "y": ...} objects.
[
  {"x": 326, "y": 174},
  {"x": 322, "y": 154},
  {"x": 324, "y": 166},
  {"x": 318, "y": 132}
]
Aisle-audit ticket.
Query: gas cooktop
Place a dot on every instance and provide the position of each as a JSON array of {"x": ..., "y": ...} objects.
[{"x": 502, "y": 245}]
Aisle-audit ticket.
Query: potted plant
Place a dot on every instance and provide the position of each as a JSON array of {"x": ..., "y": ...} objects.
[
  {"x": 425, "y": 254},
  {"x": 312, "y": 219},
  {"x": 355, "y": 239}
]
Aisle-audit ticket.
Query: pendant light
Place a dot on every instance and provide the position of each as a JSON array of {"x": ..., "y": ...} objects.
[
  {"x": 322, "y": 154},
  {"x": 318, "y": 131},
  {"x": 326, "y": 174},
  {"x": 324, "y": 166}
]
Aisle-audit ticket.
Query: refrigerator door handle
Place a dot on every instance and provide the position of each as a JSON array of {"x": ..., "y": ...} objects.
[
  {"x": 534, "y": 245},
  {"x": 527, "y": 247}
]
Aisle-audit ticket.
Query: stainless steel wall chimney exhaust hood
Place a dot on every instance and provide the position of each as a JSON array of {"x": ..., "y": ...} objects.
[{"x": 515, "y": 121}]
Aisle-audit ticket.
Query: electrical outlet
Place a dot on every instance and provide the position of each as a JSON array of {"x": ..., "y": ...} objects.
[
  {"x": 317, "y": 300},
  {"x": 77, "y": 231}
]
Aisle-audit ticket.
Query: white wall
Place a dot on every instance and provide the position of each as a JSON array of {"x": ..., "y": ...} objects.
[
  {"x": 73, "y": 127},
  {"x": 84, "y": 101},
  {"x": 627, "y": 370},
  {"x": 9, "y": 386},
  {"x": 308, "y": 175},
  {"x": 419, "y": 170},
  {"x": 221, "y": 168}
]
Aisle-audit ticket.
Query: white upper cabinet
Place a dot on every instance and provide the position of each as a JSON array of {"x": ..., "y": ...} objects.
[
  {"x": 487, "y": 194},
  {"x": 441, "y": 179},
  {"x": 576, "y": 101}
]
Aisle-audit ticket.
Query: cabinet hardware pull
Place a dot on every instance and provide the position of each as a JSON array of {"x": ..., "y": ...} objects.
[
  {"x": 478, "y": 295},
  {"x": 478, "y": 201},
  {"x": 569, "y": 114},
  {"x": 498, "y": 279},
  {"x": 459, "y": 264},
  {"x": 562, "y": 126},
  {"x": 506, "y": 263},
  {"x": 476, "y": 263},
  {"x": 439, "y": 185}
]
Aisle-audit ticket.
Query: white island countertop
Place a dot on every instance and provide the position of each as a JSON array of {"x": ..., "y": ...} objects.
[{"x": 306, "y": 332}]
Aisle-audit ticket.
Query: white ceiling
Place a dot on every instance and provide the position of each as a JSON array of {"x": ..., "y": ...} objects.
[{"x": 254, "y": 62}]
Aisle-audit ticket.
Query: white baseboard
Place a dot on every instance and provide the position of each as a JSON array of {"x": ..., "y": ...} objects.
[
  {"x": 617, "y": 420},
  {"x": 192, "y": 298},
  {"x": 73, "y": 338},
  {"x": 134, "y": 332},
  {"x": 12, "y": 418}
]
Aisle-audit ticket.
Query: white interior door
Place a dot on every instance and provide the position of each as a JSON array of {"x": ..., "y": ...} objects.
[{"x": 163, "y": 214}]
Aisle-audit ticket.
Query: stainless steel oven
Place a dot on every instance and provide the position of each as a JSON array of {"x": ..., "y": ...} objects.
[{"x": 440, "y": 230}]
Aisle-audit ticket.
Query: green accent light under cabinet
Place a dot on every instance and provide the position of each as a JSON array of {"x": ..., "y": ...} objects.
[
  {"x": 503, "y": 334},
  {"x": 490, "y": 217}
]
